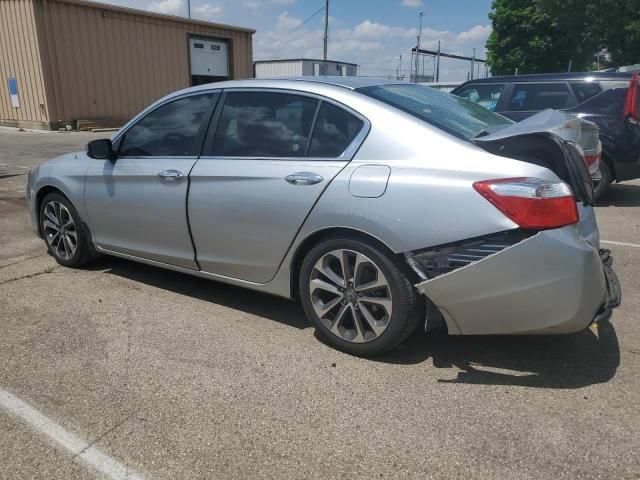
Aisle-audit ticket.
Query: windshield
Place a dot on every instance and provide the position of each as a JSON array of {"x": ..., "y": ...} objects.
[{"x": 457, "y": 116}]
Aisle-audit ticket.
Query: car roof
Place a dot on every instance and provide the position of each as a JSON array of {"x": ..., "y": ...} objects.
[
  {"x": 351, "y": 83},
  {"x": 555, "y": 77}
]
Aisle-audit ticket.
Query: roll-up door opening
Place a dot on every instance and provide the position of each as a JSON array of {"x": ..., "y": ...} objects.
[{"x": 209, "y": 59}]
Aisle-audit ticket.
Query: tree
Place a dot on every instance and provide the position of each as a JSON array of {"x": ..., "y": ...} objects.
[
  {"x": 523, "y": 37},
  {"x": 537, "y": 36},
  {"x": 619, "y": 27}
]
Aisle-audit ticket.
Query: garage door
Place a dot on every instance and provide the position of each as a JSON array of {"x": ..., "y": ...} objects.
[{"x": 209, "y": 60}]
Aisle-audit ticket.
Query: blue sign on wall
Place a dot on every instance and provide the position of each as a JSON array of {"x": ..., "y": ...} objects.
[{"x": 13, "y": 92}]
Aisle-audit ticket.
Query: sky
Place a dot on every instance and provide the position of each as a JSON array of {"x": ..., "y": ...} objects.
[{"x": 371, "y": 33}]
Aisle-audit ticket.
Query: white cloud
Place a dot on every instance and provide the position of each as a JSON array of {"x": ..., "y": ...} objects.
[
  {"x": 369, "y": 29},
  {"x": 171, "y": 7},
  {"x": 207, "y": 11},
  {"x": 286, "y": 22},
  {"x": 479, "y": 32},
  {"x": 411, "y": 3}
]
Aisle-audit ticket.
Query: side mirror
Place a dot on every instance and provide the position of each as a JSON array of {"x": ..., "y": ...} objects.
[{"x": 101, "y": 149}]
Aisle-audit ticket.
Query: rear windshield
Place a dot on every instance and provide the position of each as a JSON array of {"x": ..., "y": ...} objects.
[{"x": 457, "y": 116}]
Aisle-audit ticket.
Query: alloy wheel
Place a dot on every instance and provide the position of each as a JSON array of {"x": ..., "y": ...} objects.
[
  {"x": 59, "y": 230},
  {"x": 351, "y": 296}
]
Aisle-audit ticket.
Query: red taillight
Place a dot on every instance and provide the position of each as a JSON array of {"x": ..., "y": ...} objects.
[
  {"x": 593, "y": 163},
  {"x": 531, "y": 203},
  {"x": 631, "y": 100}
]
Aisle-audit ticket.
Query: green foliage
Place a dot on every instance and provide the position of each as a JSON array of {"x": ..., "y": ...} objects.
[{"x": 537, "y": 36}]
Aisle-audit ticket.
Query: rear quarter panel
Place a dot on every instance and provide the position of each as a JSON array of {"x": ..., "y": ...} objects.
[{"x": 429, "y": 199}]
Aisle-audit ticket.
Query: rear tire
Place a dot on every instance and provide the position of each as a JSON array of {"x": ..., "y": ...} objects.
[
  {"x": 601, "y": 186},
  {"x": 366, "y": 309},
  {"x": 65, "y": 235}
]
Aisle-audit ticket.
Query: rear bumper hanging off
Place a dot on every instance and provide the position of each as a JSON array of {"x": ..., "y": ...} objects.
[{"x": 552, "y": 282}]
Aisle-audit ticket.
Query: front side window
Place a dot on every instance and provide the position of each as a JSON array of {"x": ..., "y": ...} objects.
[
  {"x": 262, "y": 124},
  {"x": 532, "y": 97},
  {"x": 450, "y": 113},
  {"x": 334, "y": 131},
  {"x": 486, "y": 96},
  {"x": 168, "y": 131}
]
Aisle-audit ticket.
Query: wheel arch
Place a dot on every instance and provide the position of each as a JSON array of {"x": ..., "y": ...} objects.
[
  {"x": 42, "y": 192},
  {"x": 331, "y": 233}
]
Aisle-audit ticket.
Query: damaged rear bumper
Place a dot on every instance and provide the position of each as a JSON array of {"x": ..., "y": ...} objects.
[{"x": 549, "y": 283}]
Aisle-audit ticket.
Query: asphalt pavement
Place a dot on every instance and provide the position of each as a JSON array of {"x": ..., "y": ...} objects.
[{"x": 125, "y": 370}]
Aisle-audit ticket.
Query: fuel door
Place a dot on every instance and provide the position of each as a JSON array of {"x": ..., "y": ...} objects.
[{"x": 369, "y": 181}]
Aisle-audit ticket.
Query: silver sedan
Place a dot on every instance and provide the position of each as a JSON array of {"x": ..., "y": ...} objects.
[{"x": 380, "y": 205}]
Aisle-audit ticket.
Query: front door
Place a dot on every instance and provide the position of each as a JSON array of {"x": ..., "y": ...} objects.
[
  {"x": 262, "y": 170},
  {"x": 137, "y": 204}
]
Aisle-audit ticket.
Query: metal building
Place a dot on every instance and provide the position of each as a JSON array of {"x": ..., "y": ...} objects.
[
  {"x": 296, "y": 67},
  {"x": 68, "y": 61}
]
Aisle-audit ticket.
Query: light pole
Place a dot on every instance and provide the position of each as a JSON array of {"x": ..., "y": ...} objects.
[
  {"x": 326, "y": 29},
  {"x": 421, "y": 14}
]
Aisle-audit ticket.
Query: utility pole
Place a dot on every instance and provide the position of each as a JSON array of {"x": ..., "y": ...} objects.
[
  {"x": 438, "y": 64},
  {"x": 399, "y": 67},
  {"x": 326, "y": 27},
  {"x": 188, "y": 8},
  {"x": 570, "y": 64},
  {"x": 415, "y": 64},
  {"x": 421, "y": 14},
  {"x": 473, "y": 62}
]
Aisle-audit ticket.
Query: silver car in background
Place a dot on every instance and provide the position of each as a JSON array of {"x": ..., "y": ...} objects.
[{"x": 380, "y": 205}]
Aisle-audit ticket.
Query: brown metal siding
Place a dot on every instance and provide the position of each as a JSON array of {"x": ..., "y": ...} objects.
[
  {"x": 107, "y": 63},
  {"x": 20, "y": 58}
]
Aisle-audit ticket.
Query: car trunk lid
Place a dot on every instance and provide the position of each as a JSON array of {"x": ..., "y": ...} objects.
[{"x": 552, "y": 139}]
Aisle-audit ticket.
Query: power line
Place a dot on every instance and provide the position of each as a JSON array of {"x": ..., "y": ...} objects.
[{"x": 307, "y": 20}]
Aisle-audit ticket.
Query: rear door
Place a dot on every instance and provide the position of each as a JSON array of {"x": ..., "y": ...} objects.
[
  {"x": 268, "y": 156},
  {"x": 486, "y": 95},
  {"x": 529, "y": 98}
]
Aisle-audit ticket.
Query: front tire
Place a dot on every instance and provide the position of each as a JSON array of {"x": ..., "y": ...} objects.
[
  {"x": 359, "y": 300},
  {"x": 65, "y": 235}
]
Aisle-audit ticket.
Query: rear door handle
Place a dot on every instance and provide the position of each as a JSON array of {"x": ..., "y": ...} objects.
[
  {"x": 170, "y": 175},
  {"x": 303, "y": 178}
]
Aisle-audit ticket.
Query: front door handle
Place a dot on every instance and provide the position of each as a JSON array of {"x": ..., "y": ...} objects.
[
  {"x": 303, "y": 178},
  {"x": 170, "y": 175}
]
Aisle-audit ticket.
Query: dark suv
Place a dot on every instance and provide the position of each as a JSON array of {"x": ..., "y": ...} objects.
[{"x": 610, "y": 100}]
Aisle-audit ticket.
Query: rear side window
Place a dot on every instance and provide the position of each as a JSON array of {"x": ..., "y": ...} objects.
[
  {"x": 531, "y": 97},
  {"x": 585, "y": 90},
  {"x": 261, "y": 124},
  {"x": 450, "y": 113},
  {"x": 610, "y": 102},
  {"x": 169, "y": 130},
  {"x": 334, "y": 131},
  {"x": 486, "y": 96}
]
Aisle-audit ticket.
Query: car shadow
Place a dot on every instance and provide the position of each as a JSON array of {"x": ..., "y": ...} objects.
[
  {"x": 559, "y": 361},
  {"x": 556, "y": 361},
  {"x": 621, "y": 195},
  {"x": 269, "y": 306}
]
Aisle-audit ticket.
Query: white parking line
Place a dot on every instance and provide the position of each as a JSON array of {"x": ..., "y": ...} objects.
[
  {"x": 79, "y": 448},
  {"x": 624, "y": 244}
]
